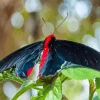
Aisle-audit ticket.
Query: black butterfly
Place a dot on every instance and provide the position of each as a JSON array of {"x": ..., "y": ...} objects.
[{"x": 51, "y": 53}]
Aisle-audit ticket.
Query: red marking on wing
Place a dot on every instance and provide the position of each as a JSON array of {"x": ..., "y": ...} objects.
[
  {"x": 43, "y": 58},
  {"x": 29, "y": 71}
]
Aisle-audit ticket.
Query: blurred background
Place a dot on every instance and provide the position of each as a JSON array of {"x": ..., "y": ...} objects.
[{"x": 21, "y": 24}]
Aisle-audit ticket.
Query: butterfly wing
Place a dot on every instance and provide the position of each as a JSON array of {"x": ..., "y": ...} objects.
[
  {"x": 52, "y": 64},
  {"x": 77, "y": 53},
  {"x": 23, "y": 58}
]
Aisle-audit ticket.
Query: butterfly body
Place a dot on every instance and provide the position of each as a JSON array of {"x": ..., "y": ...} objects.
[
  {"x": 46, "y": 48},
  {"x": 51, "y": 53}
]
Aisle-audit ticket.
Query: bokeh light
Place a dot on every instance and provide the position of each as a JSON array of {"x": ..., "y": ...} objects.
[
  {"x": 72, "y": 24},
  {"x": 63, "y": 10},
  {"x": 97, "y": 32},
  {"x": 96, "y": 28},
  {"x": 9, "y": 89},
  {"x": 83, "y": 8},
  {"x": 33, "y": 5},
  {"x": 91, "y": 42},
  {"x": 17, "y": 20}
]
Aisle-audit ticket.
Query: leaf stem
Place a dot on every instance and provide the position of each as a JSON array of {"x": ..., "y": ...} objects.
[
  {"x": 21, "y": 91},
  {"x": 91, "y": 89},
  {"x": 38, "y": 88}
]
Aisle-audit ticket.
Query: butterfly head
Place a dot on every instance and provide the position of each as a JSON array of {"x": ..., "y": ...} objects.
[{"x": 47, "y": 41}]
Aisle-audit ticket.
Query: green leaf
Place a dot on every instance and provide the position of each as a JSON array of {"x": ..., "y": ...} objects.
[
  {"x": 79, "y": 73},
  {"x": 51, "y": 91},
  {"x": 98, "y": 86},
  {"x": 63, "y": 78},
  {"x": 55, "y": 92}
]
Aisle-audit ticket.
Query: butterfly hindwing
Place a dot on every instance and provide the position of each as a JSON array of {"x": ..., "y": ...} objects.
[{"x": 52, "y": 64}]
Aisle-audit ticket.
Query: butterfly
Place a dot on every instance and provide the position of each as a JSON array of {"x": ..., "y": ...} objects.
[{"x": 51, "y": 53}]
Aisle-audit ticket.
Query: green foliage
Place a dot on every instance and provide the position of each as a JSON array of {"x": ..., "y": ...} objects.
[
  {"x": 51, "y": 91},
  {"x": 98, "y": 86},
  {"x": 52, "y": 85},
  {"x": 6, "y": 75},
  {"x": 9, "y": 74},
  {"x": 80, "y": 73}
]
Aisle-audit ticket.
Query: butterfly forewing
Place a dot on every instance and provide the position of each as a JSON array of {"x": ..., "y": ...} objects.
[
  {"x": 22, "y": 57},
  {"x": 78, "y": 54}
]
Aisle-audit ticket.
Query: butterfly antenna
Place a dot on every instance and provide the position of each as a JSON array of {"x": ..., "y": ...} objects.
[
  {"x": 46, "y": 25},
  {"x": 60, "y": 23}
]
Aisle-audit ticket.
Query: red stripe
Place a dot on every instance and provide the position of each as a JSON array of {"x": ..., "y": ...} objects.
[
  {"x": 45, "y": 50},
  {"x": 29, "y": 71},
  {"x": 43, "y": 58}
]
